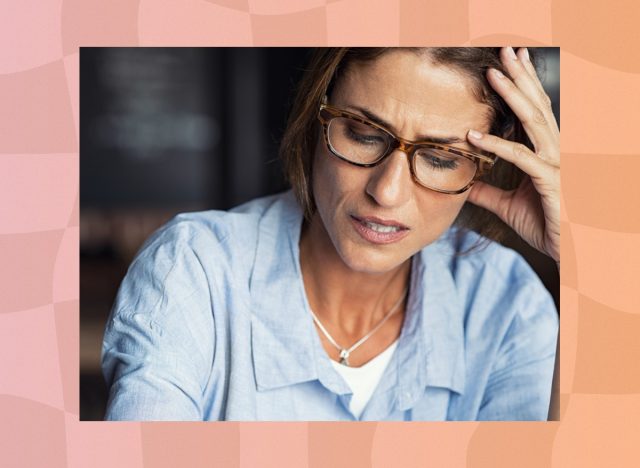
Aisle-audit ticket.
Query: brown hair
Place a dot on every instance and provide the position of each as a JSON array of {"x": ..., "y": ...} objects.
[{"x": 324, "y": 70}]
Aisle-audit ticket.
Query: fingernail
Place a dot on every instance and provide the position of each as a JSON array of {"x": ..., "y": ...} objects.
[
  {"x": 475, "y": 134},
  {"x": 526, "y": 54},
  {"x": 512, "y": 55},
  {"x": 497, "y": 72}
]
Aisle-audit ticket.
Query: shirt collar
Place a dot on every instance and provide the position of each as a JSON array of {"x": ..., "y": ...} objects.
[
  {"x": 286, "y": 346},
  {"x": 431, "y": 348}
]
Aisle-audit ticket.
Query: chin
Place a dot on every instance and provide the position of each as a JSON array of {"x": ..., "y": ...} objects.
[{"x": 369, "y": 261}]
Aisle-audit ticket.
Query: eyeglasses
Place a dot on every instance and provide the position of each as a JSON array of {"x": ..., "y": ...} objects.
[{"x": 439, "y": 167}]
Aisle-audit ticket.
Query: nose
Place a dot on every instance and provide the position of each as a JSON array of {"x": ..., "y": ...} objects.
[{"x": 390, "y": 183}]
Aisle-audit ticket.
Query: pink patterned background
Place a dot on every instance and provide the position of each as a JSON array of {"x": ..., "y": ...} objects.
[{"x": 39, "y": 233}]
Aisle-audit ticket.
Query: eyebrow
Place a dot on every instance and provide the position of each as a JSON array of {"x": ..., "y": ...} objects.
[{"x": 380, "y": 121}]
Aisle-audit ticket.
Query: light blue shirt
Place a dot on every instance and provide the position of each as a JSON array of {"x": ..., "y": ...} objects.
[{"x": 212, "y": 322}]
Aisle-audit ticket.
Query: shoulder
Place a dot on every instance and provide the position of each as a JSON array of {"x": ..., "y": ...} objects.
[
  {"x": 496, "y": 283},
  {"x": 224, "y": 235},
  {"x": 216, "y": 225},
  {"x": 474, "y": 255},
  {"x": 477, "y": 261},
  {"x": 200, "y": 251}
]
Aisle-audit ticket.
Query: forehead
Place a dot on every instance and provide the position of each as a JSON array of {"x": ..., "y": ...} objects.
[{"x": 408, "y": 90}]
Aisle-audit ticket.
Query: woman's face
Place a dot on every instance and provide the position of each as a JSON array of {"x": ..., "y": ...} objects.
[{"x": 378, "y": 217}]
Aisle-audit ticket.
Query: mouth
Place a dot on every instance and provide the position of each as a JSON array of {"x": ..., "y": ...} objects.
[{"x": 379, "y": 231}]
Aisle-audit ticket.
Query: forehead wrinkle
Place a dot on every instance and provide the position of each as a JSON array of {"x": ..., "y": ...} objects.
[
  {"x": 450, "y": 120},
  {"x": 363, "y": 79}
]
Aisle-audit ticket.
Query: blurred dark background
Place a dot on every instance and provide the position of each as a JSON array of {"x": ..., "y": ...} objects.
[{"x": 166, "y": 130}]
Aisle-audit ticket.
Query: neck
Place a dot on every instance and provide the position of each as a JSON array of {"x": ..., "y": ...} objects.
[{"x": 349, "y": 303}]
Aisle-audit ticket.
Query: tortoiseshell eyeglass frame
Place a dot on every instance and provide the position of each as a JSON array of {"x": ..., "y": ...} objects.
[{"x": 483, "y": 162}]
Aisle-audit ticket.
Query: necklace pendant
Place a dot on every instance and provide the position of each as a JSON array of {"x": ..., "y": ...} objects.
[{"x": 344, "y": 357}]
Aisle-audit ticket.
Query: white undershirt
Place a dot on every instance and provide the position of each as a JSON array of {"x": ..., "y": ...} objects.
[{"x": 363, "y": 380}]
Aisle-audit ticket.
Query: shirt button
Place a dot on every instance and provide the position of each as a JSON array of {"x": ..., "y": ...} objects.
[{"x": 407, "y": 395}]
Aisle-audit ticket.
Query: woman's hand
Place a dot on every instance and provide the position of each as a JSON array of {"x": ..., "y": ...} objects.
[{"x": 533, "y": 209}]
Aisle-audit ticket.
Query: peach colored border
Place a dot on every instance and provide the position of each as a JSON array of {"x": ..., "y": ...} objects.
[{"x": 600, "y": 381}]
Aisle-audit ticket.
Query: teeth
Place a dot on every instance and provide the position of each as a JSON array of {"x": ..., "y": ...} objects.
[{"x": 381, "y": 228}]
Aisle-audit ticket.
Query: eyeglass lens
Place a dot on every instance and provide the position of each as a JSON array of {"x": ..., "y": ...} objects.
[{"x": 363, "y": 144}]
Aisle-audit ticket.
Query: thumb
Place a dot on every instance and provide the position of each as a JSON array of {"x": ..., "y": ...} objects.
[{"x": 490, "y": 198}]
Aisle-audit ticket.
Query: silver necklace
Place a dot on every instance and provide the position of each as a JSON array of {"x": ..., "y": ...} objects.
[{"x": 345, "y": 352}]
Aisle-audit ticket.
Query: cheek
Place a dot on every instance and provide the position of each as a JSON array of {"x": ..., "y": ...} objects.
[
  {"x": 324, "y": 182},
  {"x": 332, "y": 178},
  {"x": 327, "y": 187},
  {"x": 439, "y": 211}
]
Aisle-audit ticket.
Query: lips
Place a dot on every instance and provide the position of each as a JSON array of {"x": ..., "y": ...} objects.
[{"x": 379, "y": 231}]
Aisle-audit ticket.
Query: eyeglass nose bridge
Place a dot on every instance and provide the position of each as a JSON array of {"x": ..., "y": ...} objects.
[
  {"x": 408, "y": 149},
  {"x": 403, "y": 145}
]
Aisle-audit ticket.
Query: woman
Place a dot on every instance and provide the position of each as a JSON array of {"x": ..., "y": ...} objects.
[{"x": 364, "y": 294}]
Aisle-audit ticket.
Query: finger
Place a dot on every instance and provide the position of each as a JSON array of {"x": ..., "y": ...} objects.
[
  {"x": 524, "y": 59},
  {"x": 490, "y": 198},
  {"x": 534, "y": 120},
  {"x": 543, "y": 98},
  {"x": 526, "y": 82},
  {"x": 518, "y": 154},
  {"x": 523, "y": 55},
  {"x": 522, "y": 96}
]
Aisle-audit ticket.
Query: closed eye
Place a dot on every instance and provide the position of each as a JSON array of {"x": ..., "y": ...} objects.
[
  {"x": 438, "y": 163},
  {"x": 361, "y": 134},
  {"x": 365, "y": 139},
  {"x": 438, "y": 160}
]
